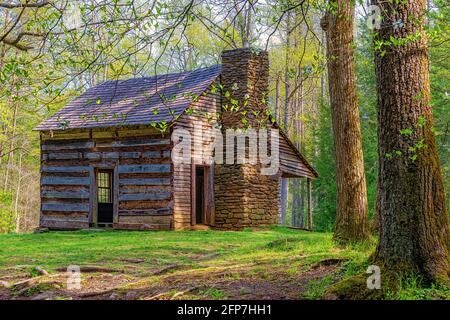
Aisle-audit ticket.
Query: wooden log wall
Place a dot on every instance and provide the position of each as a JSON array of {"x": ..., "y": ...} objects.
[
  {"x": 141, "y": 158},
  {"x": 207, "y": 104}
]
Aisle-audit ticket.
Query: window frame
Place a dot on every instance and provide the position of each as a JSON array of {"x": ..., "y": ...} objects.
[{"x": 109, "y": 187}]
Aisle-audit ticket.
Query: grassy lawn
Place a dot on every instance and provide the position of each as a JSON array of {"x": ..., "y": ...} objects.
[{"x": 272, "y": 263}]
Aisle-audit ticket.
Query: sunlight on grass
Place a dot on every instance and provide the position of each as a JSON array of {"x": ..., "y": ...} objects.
[{"x": 261, "y": 255}]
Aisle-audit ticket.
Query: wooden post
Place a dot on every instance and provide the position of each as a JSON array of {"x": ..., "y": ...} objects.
[
  {"x": 193, "y": 198},
  {"x": 115, "y": 189},
  {"x": 310, "y": 218}
]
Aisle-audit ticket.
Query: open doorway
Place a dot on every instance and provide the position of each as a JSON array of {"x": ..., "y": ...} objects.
[
  {"x": 201, "y": 194},
  {"x": 105, "y": 202}
]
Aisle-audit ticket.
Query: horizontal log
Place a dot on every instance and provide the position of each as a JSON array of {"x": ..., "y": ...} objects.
[
  {"x": 65, "y": 136},
  {"x": 65, "y": 169},
  {"x": 146, "y": 212},
  {"x": 145, "y": 204},
  {"x": 144, "y": 181},
  {"x": 65, "y": 207},
  {"x": 92, "y": 155},
  {"x": 49, "y": 146},
  {"x": 68, "y": 194},
  {"x": 130, "y": 155},
  {"x": 62, "y": 156},
  {"x": 103, "y": 134},
  {"x": 142, "y": 226},
  {"x": 133, "y": 143},
  {"x": 144, "y": 168},
  {"x": 66, "y": 218},
  {"x": 64, "y": 225},
  {"x": 144, "y": 189},
  {"x": 67, "y": 181},
  {"x": 151, "y": 154},
  {"x": 151, "y": 219},
  {"x": 145, "y": 196},
  {"x": 138, "y": 132},
  {"x": 111, "y": 155}
]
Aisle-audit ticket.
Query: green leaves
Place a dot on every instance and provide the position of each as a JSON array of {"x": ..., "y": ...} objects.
[{"x": 406, "y": 132}]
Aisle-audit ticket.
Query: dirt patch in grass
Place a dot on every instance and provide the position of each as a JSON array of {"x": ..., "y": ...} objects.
[{"x": 237, "y": 283}]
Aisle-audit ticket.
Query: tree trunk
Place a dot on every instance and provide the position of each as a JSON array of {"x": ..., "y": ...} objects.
[
  {"x": 310, "y": 204},
  {"x": 277, "y": 99},
  {"x": 414, "y": 234},
  {"x": 12, "y": 138},
  {"x": 17, "y": 196},
  {"x": 323, "y": 75},
  {"x": 297, "y": 192},
  {"x": 284, "y": 181},
  {"x": 2, "y": 63},
  {"x": 352, "y": 210}
]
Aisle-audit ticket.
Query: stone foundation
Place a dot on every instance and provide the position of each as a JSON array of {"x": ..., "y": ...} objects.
[{"x": 245, "y": 198}]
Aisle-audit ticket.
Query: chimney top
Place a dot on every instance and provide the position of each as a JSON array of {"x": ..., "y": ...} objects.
[{"x": 245, "y": 76}]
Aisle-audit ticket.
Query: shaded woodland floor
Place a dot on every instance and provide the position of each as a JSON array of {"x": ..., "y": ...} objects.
[{"x": 272, "y": 263}]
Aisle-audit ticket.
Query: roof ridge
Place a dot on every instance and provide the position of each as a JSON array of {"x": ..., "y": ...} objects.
[{"x": 160, "y": 75}]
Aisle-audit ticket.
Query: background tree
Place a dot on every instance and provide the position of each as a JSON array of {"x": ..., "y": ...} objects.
[{"x": 352, "y": 208}]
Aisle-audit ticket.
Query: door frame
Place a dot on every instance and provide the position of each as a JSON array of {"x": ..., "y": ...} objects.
[
  {"x": 206, "y": 191},
  {"x": 93, "y": 194}
]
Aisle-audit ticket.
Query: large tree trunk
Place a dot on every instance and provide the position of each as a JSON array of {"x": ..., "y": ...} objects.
[
  {"x": 352, "y": 210},
  {"x": 414, "y": 235}
]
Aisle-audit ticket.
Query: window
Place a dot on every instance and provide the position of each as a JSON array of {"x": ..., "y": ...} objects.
[{"x": 104, "y": 187}]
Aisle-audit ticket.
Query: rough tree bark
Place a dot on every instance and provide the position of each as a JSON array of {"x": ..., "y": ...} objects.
[
  {"x": 414, "y": 234},
  {"x": 352, "y": 210}
]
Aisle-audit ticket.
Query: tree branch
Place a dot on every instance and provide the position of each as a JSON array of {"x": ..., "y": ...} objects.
[{"x": 39, "y": 4}]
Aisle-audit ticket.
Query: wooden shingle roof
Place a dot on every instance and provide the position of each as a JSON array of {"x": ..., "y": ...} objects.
[{"x": 138, "y": 101}]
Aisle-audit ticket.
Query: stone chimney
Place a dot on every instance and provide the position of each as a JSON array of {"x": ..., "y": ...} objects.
[
  {"x": 245, "y": 76},
  {"x": 243, "y": 196}
]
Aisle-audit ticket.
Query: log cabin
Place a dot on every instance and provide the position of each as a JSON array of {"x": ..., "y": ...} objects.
[{"x": 107, "y": 156}]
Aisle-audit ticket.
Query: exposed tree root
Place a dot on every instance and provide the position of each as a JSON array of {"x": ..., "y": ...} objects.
[
  {"x": 167, "y": 269},
  {"x": 88, "y": 269},
  {"x": 171, "y": 294},
  {"x": 41, "y": 271},
  {"x": 329, "y": 262}
]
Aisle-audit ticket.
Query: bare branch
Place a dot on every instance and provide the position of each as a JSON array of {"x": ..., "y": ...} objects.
[{"x": 39, "y": 4}]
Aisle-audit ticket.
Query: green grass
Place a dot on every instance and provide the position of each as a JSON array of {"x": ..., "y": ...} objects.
[
  {"x": 215, "y": 260},
  {"x": 317, "y": 288},
  {"x": 56, "y": 249}
]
